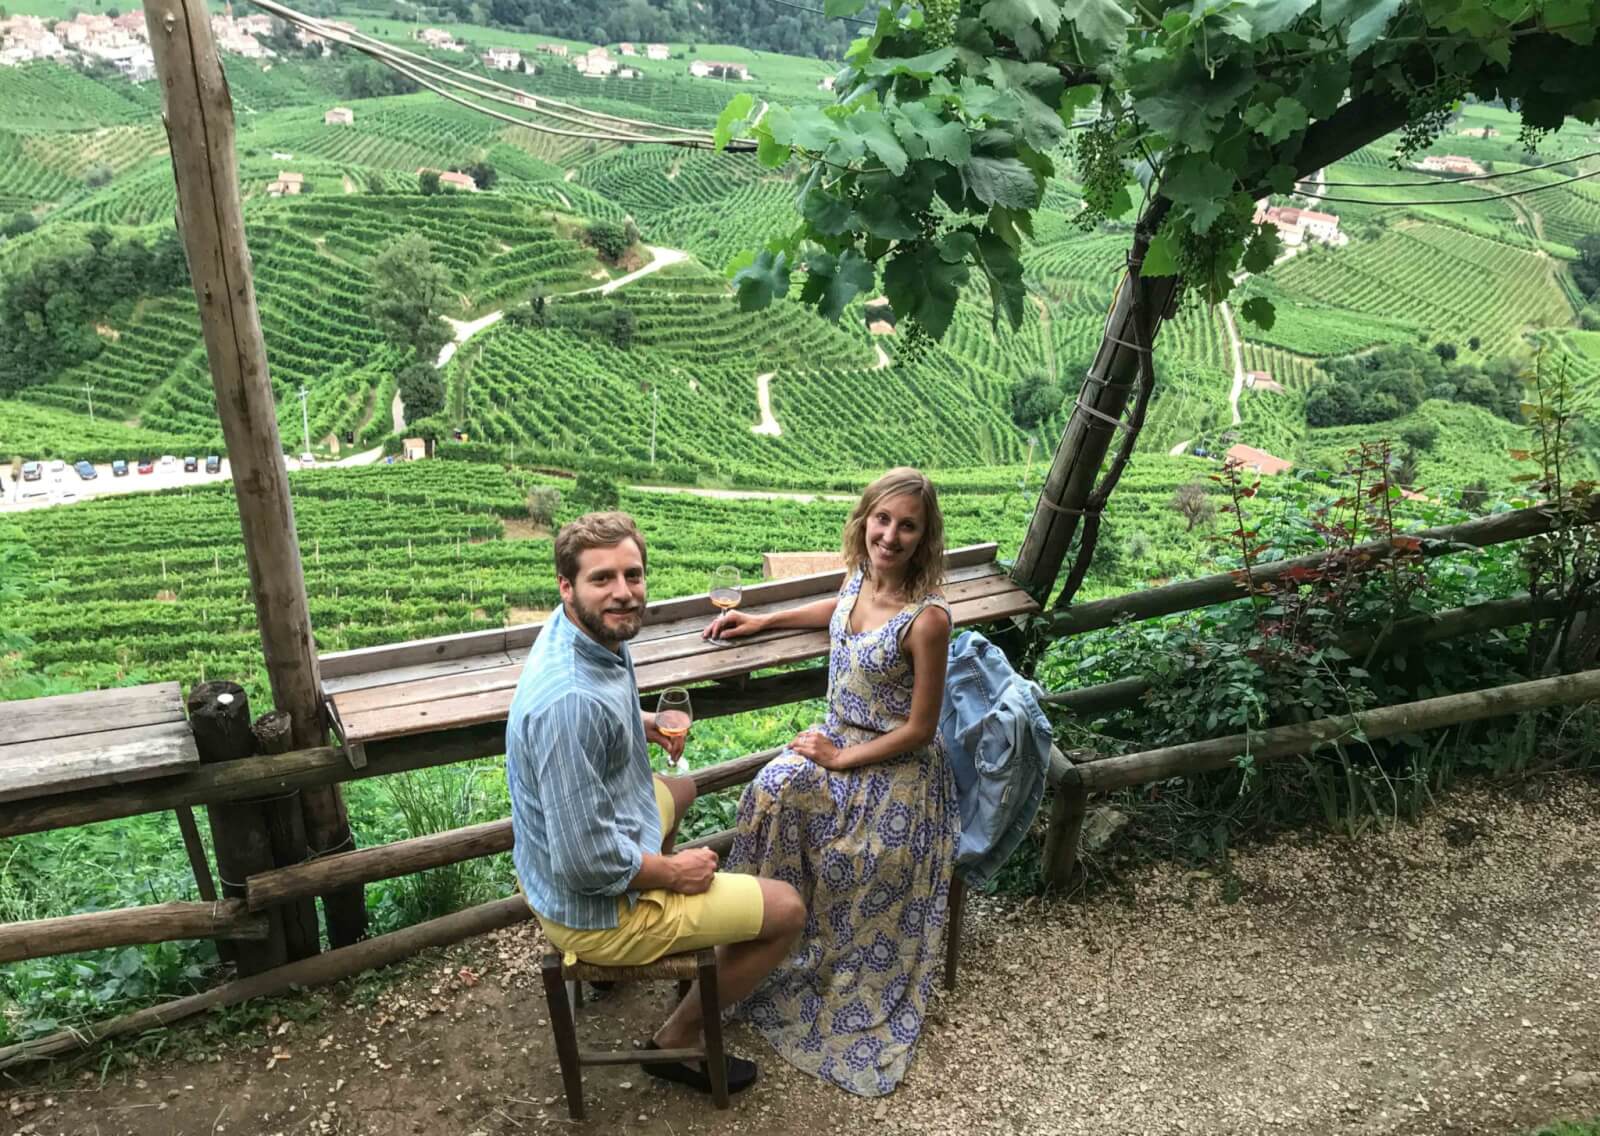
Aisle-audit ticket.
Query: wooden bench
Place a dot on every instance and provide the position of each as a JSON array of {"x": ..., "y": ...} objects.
[
  {"x": 428, "y": 685},
  {"x": 84, "y": 741}
]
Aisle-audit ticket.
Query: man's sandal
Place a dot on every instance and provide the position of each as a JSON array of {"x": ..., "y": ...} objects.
[{"x": 741, "y": 1073}]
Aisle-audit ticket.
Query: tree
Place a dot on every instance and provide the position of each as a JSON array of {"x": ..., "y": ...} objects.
[
  {"x": 98, "y": 175},
  {"x": 1446, "y": 351},
  {"x": 421, "y": 390},
  {"x": 1193, "y": 503},
  {"x": 594, "y": 493},
  {"x": 1586, "y": 269},
  {"x": 1033, "y": 399},
  {"x": 609, "y": 239},
  {"x": 931, "y": 165},
  {"x": 1473, "y": 343},
  {"x": 483, "y": 175},
  {"x": 409, "y": 294},
  {"x": 1420, "y": 437},
  {"x": 19, "y": 224},
  {"x": 544, "y": 502},
  {"x": 428, "y": 182}
]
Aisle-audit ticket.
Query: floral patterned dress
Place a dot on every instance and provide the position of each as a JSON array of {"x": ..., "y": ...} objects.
[{"x": 871, "y": 851}]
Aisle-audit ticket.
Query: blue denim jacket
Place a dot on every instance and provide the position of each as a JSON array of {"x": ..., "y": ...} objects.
[{"x": 997, "y": 740}]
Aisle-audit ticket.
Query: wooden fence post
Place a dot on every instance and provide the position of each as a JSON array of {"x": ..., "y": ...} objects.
[
  {"x": 286, "y": 828},
  {"x": 219, "y": 714},
  {"x": 198, "y": 113},
  {"x": 1067, "y": 808}
]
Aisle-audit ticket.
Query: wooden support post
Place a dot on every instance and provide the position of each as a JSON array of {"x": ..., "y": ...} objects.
[
  {"x": 198, "y": 112},
  {"x": 196, "y": 851},
  {"x": 219, "y": 714},
  {"x": 286, "y": 827},
  {"x": 1067, "y": 809},
  {"x": 159, "y": 923}
]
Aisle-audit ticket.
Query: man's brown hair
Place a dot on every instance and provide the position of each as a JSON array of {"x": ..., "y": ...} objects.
[{"x": 594, "y": 530}]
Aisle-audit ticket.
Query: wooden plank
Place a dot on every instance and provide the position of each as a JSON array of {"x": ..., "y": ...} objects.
[
  {"x": 62, "y": 715},
  {"x": 491, "y": 700},
  {"x": 158, "y": 923},
  {"x": 363, "y": 680},
  {"x": 37, "y": 769},
  {"x": 356, "y": 705},
  {"x": 342, "y": 664}
]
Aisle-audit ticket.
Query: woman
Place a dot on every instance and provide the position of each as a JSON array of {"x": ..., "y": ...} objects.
[{"x": 860, "y": 812}]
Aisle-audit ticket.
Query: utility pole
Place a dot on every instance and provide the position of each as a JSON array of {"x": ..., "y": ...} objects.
[
  {"x": 305, "y": 421},
  {"x": 88, "y": 390},
  {"x": 655, "y": 404}
]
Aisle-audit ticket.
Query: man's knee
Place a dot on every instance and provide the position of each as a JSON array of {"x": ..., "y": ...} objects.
[
  {"x": 783, "y": 913},
  {"x": 683, "y": 792}
]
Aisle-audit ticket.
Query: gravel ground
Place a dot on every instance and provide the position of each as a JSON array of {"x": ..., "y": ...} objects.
[{"x": 1438, "y": 978}]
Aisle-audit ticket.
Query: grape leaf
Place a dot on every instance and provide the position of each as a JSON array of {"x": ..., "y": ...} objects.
[
  {"x": 924, "y": 66},
  {"x": 881, "y": 216},
  {"x": 1161, "y": 257},
  {"x": 833, "y": 281},
  {"x": 736, "y": 111},
  {"x": 764, "y": 279},
  {"x": 921, "y": 285},
  {"x": 1016, "y": 20},
  {"x": 1259, "y": 311},
  {"x": 1003, "y": 268},
  {"x": 1286, "y": 117},
  {"x": 1199, "y": 185},
  {"x": 1101, "y": 22},
  {"x": 1366, "y": 19},
  {"x": 1002, "y": 181},
  {"x": 770, "y": 152},
  {"x": 1262, "y": 249},
  {"x": 827, "y": 213},
  {"x": 1269, "y": 17},
  {"x": 874, "y": 129},
  {"x": 1038, "y": 89},
  {"x": 805, "y": 127},
  {"x": 925, "y": 135}
]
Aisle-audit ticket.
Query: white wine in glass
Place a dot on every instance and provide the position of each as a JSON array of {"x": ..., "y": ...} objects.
[
  {"x": 674, "y": 715},
  {"x": 725, "y": 592}
]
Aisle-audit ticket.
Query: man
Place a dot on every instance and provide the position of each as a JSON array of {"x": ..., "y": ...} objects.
[{"x": 594, "y": 828}]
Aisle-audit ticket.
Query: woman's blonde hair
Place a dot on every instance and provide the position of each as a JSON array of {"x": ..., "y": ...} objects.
[{"x": 925, "y": 572}]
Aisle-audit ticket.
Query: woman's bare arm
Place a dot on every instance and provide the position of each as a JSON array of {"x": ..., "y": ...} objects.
[{"x": 738, "y": 624}]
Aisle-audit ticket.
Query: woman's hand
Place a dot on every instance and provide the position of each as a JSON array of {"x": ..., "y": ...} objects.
[
  {"x": 815, "y": 746},
  {"x": 734, "y": 625}
]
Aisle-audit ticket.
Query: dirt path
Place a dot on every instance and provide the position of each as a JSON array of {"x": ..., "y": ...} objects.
[
  {"x": 1437, "y": 980},
  {"x": 1238, "y": 361},
  {"x": 883, "y": 357},
  {"x": 1046, "y": 336},
  {"x": 1178, "y": 450},
  {"x": 397, "y": 414},
  {"x": 743, "y": 494},
  {"x": 659, "y": 259},
  {"x": 768, "y": 425}
]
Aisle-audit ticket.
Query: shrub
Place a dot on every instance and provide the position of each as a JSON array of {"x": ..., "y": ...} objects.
[
  {"x": 99, "y": 174},
  {"x": 19, "y": 224},
  {"x": 594, "y": 493},
  {"x": 609, "y": 239},
  {"x": 544, "y": 502},
  {"x": 1420, "y": 437}
]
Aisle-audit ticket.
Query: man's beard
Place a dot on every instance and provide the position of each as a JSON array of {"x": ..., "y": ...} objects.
[{"x": 593, "y": 620}]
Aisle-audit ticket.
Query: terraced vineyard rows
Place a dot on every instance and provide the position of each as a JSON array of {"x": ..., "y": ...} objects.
[{"x": 53, "y": 97}]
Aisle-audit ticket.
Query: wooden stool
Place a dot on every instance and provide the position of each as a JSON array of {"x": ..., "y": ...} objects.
[{"x": 682, "y": 969}]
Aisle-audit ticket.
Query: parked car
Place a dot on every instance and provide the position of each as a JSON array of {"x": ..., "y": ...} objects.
[
  {"x": 32, "y": 471},
  {"x": 57, "y": 468},
  {"x": 119, "y": 467},
  {"x": 168, "y": 461},
  {"x": 190, "y": 464},
  {"x": 307, "y": 458},
  {"x": 147, "y": 465},
  {"x": 213, "y": 463},
  {"x": 86, "y": 471}
]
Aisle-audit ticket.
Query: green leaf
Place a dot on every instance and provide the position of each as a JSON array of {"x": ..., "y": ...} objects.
[
  {"x": 770, "y": 153},
  {"x": 827, "y": 213},
  {"x": 832, "y": 282},
  {"x": 1184, "y": 102},
  {"x": 764, "y": 279},
  {"x": 957, "y": 246},
  {"x": 1259, "y": 311},
  {"x": 1002, "y": 181},
  {"x": 924, "y": 66},
  {"x": 1100, "y": 22},
  {"x": 833, "y": 9},
  {"x": 921, "y": 285},
  {"x": 1287, "y": 117},
  {"x": 1364, "y": 21},
  {"x": 1281, "y": 178},
  {"x": 1022, "y": 21},
  {"x": 805, "y": 127},
  {"x": 1003, "y": 268},
  {"x": 925, "y": 135},
  {"x": 881, "y": 215},
  {"x": 875, "y": 130},
  {"x": 737, "y": 110},
  {"x": 1161, "y": 257},
  {"x": 1322, "y": 85},
  {"x": 1569, "y": 19},
  {"x": 1269, "y": 17},
  {"x": 1199, "y": 185},
  {"x": 1038, "y": 89},
  {"x": 1261, "y": 251}
]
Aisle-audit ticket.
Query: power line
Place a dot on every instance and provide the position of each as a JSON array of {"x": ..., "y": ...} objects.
[
  {"x": 820, "y": 12},
  {"x": 1453, "y": 181},
  {"x": 1456, "y": 200}
]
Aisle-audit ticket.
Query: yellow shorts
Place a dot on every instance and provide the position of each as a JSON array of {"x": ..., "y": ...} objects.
[{"x": 665, "y": 922}]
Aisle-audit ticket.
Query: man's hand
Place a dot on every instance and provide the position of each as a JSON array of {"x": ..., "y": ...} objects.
[
  {"x": 692, "y": 870},
  {"x": 673, "y": 745}
]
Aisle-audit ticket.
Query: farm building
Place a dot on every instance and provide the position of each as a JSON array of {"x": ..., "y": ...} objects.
[
  {"x": 595, "y": 63},
  {"x": 1296, "y": 226},
  {"x": 558, "y": 49},
  {"x": 339, "y": 116},
  {"x": 1262, "y": 381},
  {"x": 287, "y": 184},
  {"x": 656, "y": 51},
  {"x": 413, "y": 449},
  {"x": 459, "y": 181},
  {"x": 502, "y": 58},
  {"x": 1449, "y": 164},
  {"x": 825, "y": 83},
  {"x": 626, "y": 49},
  {"x": 441, "y": 39},
  {"x": 712, "y": 69},
  {"x": 1258, "y": 460}
]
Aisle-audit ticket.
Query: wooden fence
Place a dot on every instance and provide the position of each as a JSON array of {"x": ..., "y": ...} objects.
[{"x": 245, "y": 918}]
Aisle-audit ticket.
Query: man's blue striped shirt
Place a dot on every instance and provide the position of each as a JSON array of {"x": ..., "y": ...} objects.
[{"x": 583, "y": 807}]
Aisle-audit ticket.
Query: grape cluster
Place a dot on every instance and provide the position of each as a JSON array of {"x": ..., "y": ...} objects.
[
  {"x": 1427, "y": 113},
  {"x": 1098, "y": 161},
  {"x": 939, "y": 24},
  {"x": 1205, "y": 260}
]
